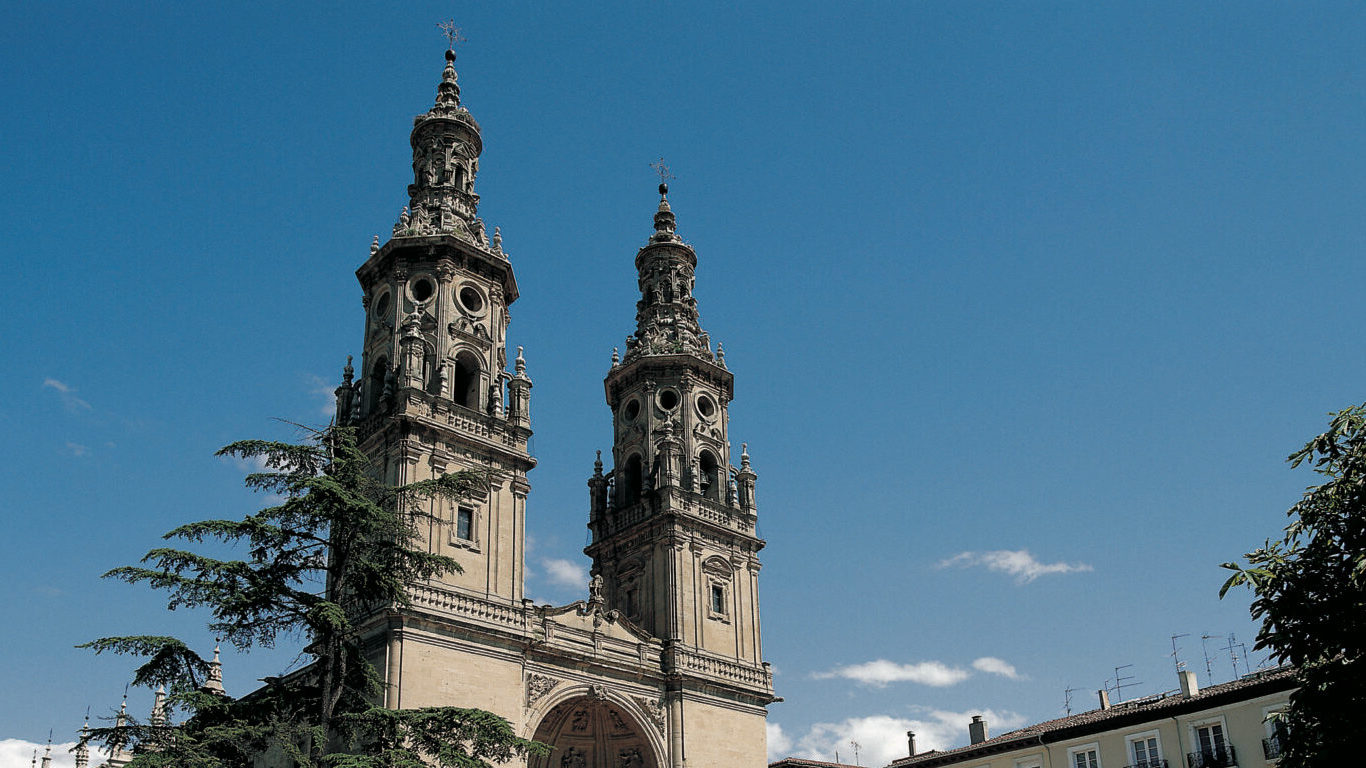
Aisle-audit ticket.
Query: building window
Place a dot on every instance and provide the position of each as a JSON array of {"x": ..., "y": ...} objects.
[
  {"x": 1087, "y": 756},
  {"x": 1146, "y": 750},
  {"x": 718, "y": 600},
  {"x": 1211, "y": 749},
  {"x": 465, "y": 527},
  {"x": 1275, "y": 733}
]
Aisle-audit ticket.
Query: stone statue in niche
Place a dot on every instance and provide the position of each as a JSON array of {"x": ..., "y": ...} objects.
[
  {"x": 580, "y": 722},
  {"x": 595, "y": 589},
  {"x": 630, "y": 758},
  {"x": 574, "y": 758}
]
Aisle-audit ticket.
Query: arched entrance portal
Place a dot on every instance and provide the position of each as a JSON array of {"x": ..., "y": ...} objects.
[{"x": 587, "y": 732}]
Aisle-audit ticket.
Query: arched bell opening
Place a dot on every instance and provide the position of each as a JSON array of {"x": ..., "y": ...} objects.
[
  {"x": 465, "y": 380},
  {"x": 710, "y": 484},
  {"x": 631, "y": 481},
  {"x": 375, "y": 386},
  {"x": 588, "y": 732}
]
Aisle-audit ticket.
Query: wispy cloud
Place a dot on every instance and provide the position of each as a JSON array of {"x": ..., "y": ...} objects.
[
  {"x": 882, "y": 738},
  {"x": 779, "y": 745},
  {"x": 1015, "y": 562},
  {"x": 565, "y": 573},
  {"x": 77, "y": 449},
  {"x": 326, "y": 393},
  {"x": 881, "y": 672},
  {"x": 994, "y": 666},
  {"x": 18, "y": 753},
  {"x": 68, "y": 395}
]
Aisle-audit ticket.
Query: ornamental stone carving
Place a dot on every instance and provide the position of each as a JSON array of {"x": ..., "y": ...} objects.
[
  {"x": 537, "y": 686},
  {"x": 654, "y": 710}
]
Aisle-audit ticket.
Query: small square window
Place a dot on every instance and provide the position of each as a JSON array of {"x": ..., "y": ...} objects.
[{"x": 464, "y": 523}]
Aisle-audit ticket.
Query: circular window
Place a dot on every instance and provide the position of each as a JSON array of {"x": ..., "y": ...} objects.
[
  {"x": 668, "y": 399},
  {"x": 422, "y": 289},
  {"x": 631, "y": 410},
  {"x": 706, "y": 406},
  {"x": 382, "y": 306},
  {"x": 471, "y": 300}
]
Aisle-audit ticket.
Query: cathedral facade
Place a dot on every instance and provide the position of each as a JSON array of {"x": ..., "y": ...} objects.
[{"x": 661, "y": 666}]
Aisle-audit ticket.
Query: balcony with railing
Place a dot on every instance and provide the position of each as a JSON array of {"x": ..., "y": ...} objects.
[
  {"x": 1271, "y": 748},
  {"x": 1220, "y": 756}
]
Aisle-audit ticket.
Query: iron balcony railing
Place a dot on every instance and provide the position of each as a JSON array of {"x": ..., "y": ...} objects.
[
  {"x": 1218, "y": 757},
  {"x": 1271, "y": 748}
]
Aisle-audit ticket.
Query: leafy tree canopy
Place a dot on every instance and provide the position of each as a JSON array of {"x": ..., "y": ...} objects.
[
  {"x": 338, "y": 541},
  {"x": 1310, "y": 594}
]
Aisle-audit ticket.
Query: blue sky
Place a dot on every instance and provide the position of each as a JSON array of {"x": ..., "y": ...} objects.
[{"x": 1026, "y": 304}]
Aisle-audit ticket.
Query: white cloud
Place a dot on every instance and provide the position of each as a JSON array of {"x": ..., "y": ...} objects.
[
  {"x": 77, "y": 449},
  {"x": 326, "y": 394},
  {"x": 882, "y": 738},
  {"x": 779, "y": 745},
  {"x": 565, "y": 573},
  {"x": 994, "y": 666},
  {"x": 68, "y": 395},
  {"x": 1016, "y": 562},
  {"x": 881, "y": 672},
  {"x": 17, "y": 753}
]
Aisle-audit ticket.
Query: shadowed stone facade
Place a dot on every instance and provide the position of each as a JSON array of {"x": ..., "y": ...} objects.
[{"x": 661, "y": 666}]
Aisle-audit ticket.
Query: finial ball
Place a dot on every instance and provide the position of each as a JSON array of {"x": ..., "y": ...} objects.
[
  {"x": 450, "y": 54},
  {"x": 663, "y": 189}
]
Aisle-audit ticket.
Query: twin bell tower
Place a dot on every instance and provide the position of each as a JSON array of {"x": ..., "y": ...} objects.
[{"x": 661, "y": 665}]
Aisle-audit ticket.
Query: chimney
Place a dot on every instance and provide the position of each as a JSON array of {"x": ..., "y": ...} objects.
[
  {"x": 1104, "y": 698},
  {"x": 1189, "y": 687},
  {"x": 910, "y": 743},
  {"x": 977, "y": 730}
]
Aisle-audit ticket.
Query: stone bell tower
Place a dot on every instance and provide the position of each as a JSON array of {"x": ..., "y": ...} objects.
[
  {"x": 433, "y": 395},
  {"x": 673, "y": 524},
  {"x": 660, "y": 667}
]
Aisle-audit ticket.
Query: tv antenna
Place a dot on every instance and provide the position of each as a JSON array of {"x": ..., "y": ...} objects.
[
  {"x": 1067, "y": 699},
  {"x": 1209, "y": 671},
  {"x": 1176, "y": 653},
  {"x": 1122, "y": 682},
  {"x": 857, "y": 746},
  {"x": 1232, "y": 648}
]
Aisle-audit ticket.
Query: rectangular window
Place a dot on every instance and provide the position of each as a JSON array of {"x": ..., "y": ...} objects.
[
  {"x": 1146, "y": 754},
  {"x": 464, "y": 523},
  {"x": 718, "y": 599},
  {"x": 1211, "y": 750},
  {"x": 1085, "y": 757}
]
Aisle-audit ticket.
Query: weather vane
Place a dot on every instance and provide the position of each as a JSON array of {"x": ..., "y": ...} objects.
[
  {"x": 452, "y": 32},
  {"x": 663, "y": 171}
]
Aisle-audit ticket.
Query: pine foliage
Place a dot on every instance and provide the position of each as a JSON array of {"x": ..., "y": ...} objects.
[{"x": 339, "y": 541}]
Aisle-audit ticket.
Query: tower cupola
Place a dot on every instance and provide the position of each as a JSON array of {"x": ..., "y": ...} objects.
[{"x": 446, "y": 148}]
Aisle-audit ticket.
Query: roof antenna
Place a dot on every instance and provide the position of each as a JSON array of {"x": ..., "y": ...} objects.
[
  {"x": 1232, "y": 649},
  {"x": 1121, "y": 682},
  {"x": 1176, "y": 653},
  {"x": 1067, "y": 699},
  {"x": 1209, "y": 671}
]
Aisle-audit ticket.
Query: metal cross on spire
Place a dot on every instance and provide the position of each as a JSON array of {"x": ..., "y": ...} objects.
[
  {"x": 452, "y": 32},
  {"x": 663, "y": 171}
]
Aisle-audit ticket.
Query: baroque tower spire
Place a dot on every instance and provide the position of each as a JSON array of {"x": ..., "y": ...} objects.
[
  {"x": 433, "y": 394},
  {"x": 674, "y": 536}
]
